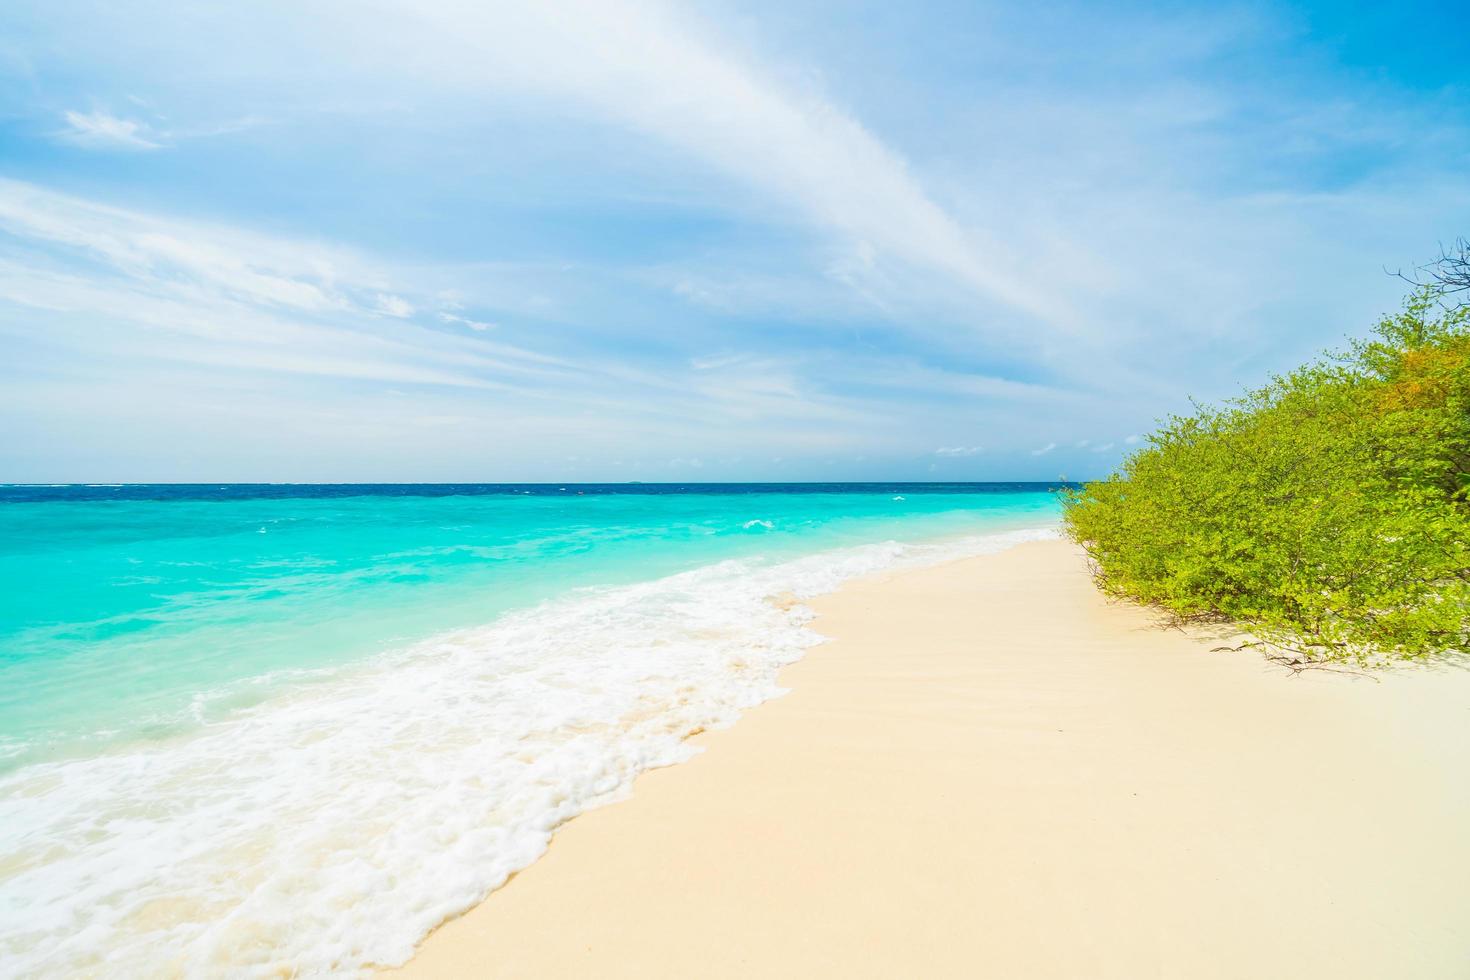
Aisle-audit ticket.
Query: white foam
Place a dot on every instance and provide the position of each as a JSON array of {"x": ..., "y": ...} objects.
[{"x": 329, "y": 831}]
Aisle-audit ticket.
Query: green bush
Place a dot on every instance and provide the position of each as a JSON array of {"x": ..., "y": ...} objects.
[{"x": 1327, "y": 513}]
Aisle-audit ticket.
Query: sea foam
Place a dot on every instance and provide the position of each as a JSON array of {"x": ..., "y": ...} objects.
[{"x": 328, "y": 831}]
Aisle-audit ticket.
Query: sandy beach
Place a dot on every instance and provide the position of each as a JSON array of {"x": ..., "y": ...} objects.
[{"x": 990, "y": 770}]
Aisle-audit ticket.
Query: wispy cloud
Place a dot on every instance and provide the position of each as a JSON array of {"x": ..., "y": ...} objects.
[
  {"x": 395, "y": 306},
  {"x": 104, "y": 131},
  {"x": 477, "y": 325},
  {"x": 663, "y": 72},
  {"x": 247, "y": 266},
  {"x": 122, "y": 287},
  {"x": 297, "y": 307},
  {"x": 815, "y": 237},
  {"x": 954, "y": 451}
]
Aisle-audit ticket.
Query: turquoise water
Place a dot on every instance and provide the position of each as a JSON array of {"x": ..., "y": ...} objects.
[
  {"x": 126, "y": 618},
  {"x": 288, "y": 730}
]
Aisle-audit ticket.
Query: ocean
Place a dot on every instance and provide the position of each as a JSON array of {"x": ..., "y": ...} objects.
[{"x": 287, "y": 729}]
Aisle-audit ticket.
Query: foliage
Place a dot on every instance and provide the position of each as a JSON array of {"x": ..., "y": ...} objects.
[{"x": 1327, "y": 513}]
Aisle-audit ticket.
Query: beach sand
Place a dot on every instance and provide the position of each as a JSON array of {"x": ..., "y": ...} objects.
[{"x": 993, "y": 771}]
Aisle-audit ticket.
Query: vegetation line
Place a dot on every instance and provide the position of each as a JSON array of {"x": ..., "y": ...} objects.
[{"x": 1326, "y": 513}]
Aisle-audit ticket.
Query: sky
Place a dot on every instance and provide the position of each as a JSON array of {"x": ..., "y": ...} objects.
[{"x": 607, "y": 240}]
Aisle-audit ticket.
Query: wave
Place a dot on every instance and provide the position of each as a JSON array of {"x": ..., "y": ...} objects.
[{"x": 329, "y": 830}]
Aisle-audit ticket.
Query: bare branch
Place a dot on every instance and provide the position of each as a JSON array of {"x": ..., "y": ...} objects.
[{"x": 1450, "y": 273}]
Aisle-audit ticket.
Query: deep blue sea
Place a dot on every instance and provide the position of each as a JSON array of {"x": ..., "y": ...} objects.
[{"x": 285, "y": 728}]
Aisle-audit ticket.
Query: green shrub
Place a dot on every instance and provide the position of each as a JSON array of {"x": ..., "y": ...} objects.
[{"x": 1327, "y": 513}]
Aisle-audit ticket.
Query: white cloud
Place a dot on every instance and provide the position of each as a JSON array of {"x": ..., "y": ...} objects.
[
  {"x": 869, "y": 229},
  {"x": 103, "y": 131},
  {"x": 655, "y": 68},
  {"x": 477, "y": 325},
  {"x": 1133, "y": 440},
  {"x": 1104, "y": 447},
  {"x": 227, "y": 296},
  {"x": 249, "y": 267},
  {"x": 1079, "y": 181},
  {"x": 394, "y": 306},
  {"x": 118, "y": 287},
  {"x": 953, "y": 451}
]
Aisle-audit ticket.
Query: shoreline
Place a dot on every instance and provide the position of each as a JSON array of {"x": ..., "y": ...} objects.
[
  {"x": 419, "y": 778},
  {"x": 989, "y": 767}
]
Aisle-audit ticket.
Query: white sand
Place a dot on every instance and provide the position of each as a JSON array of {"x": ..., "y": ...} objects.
[{"x": 992, "y": 771}]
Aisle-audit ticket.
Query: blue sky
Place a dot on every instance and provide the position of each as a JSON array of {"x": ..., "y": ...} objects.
[{"x": 621, "y": 240}]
